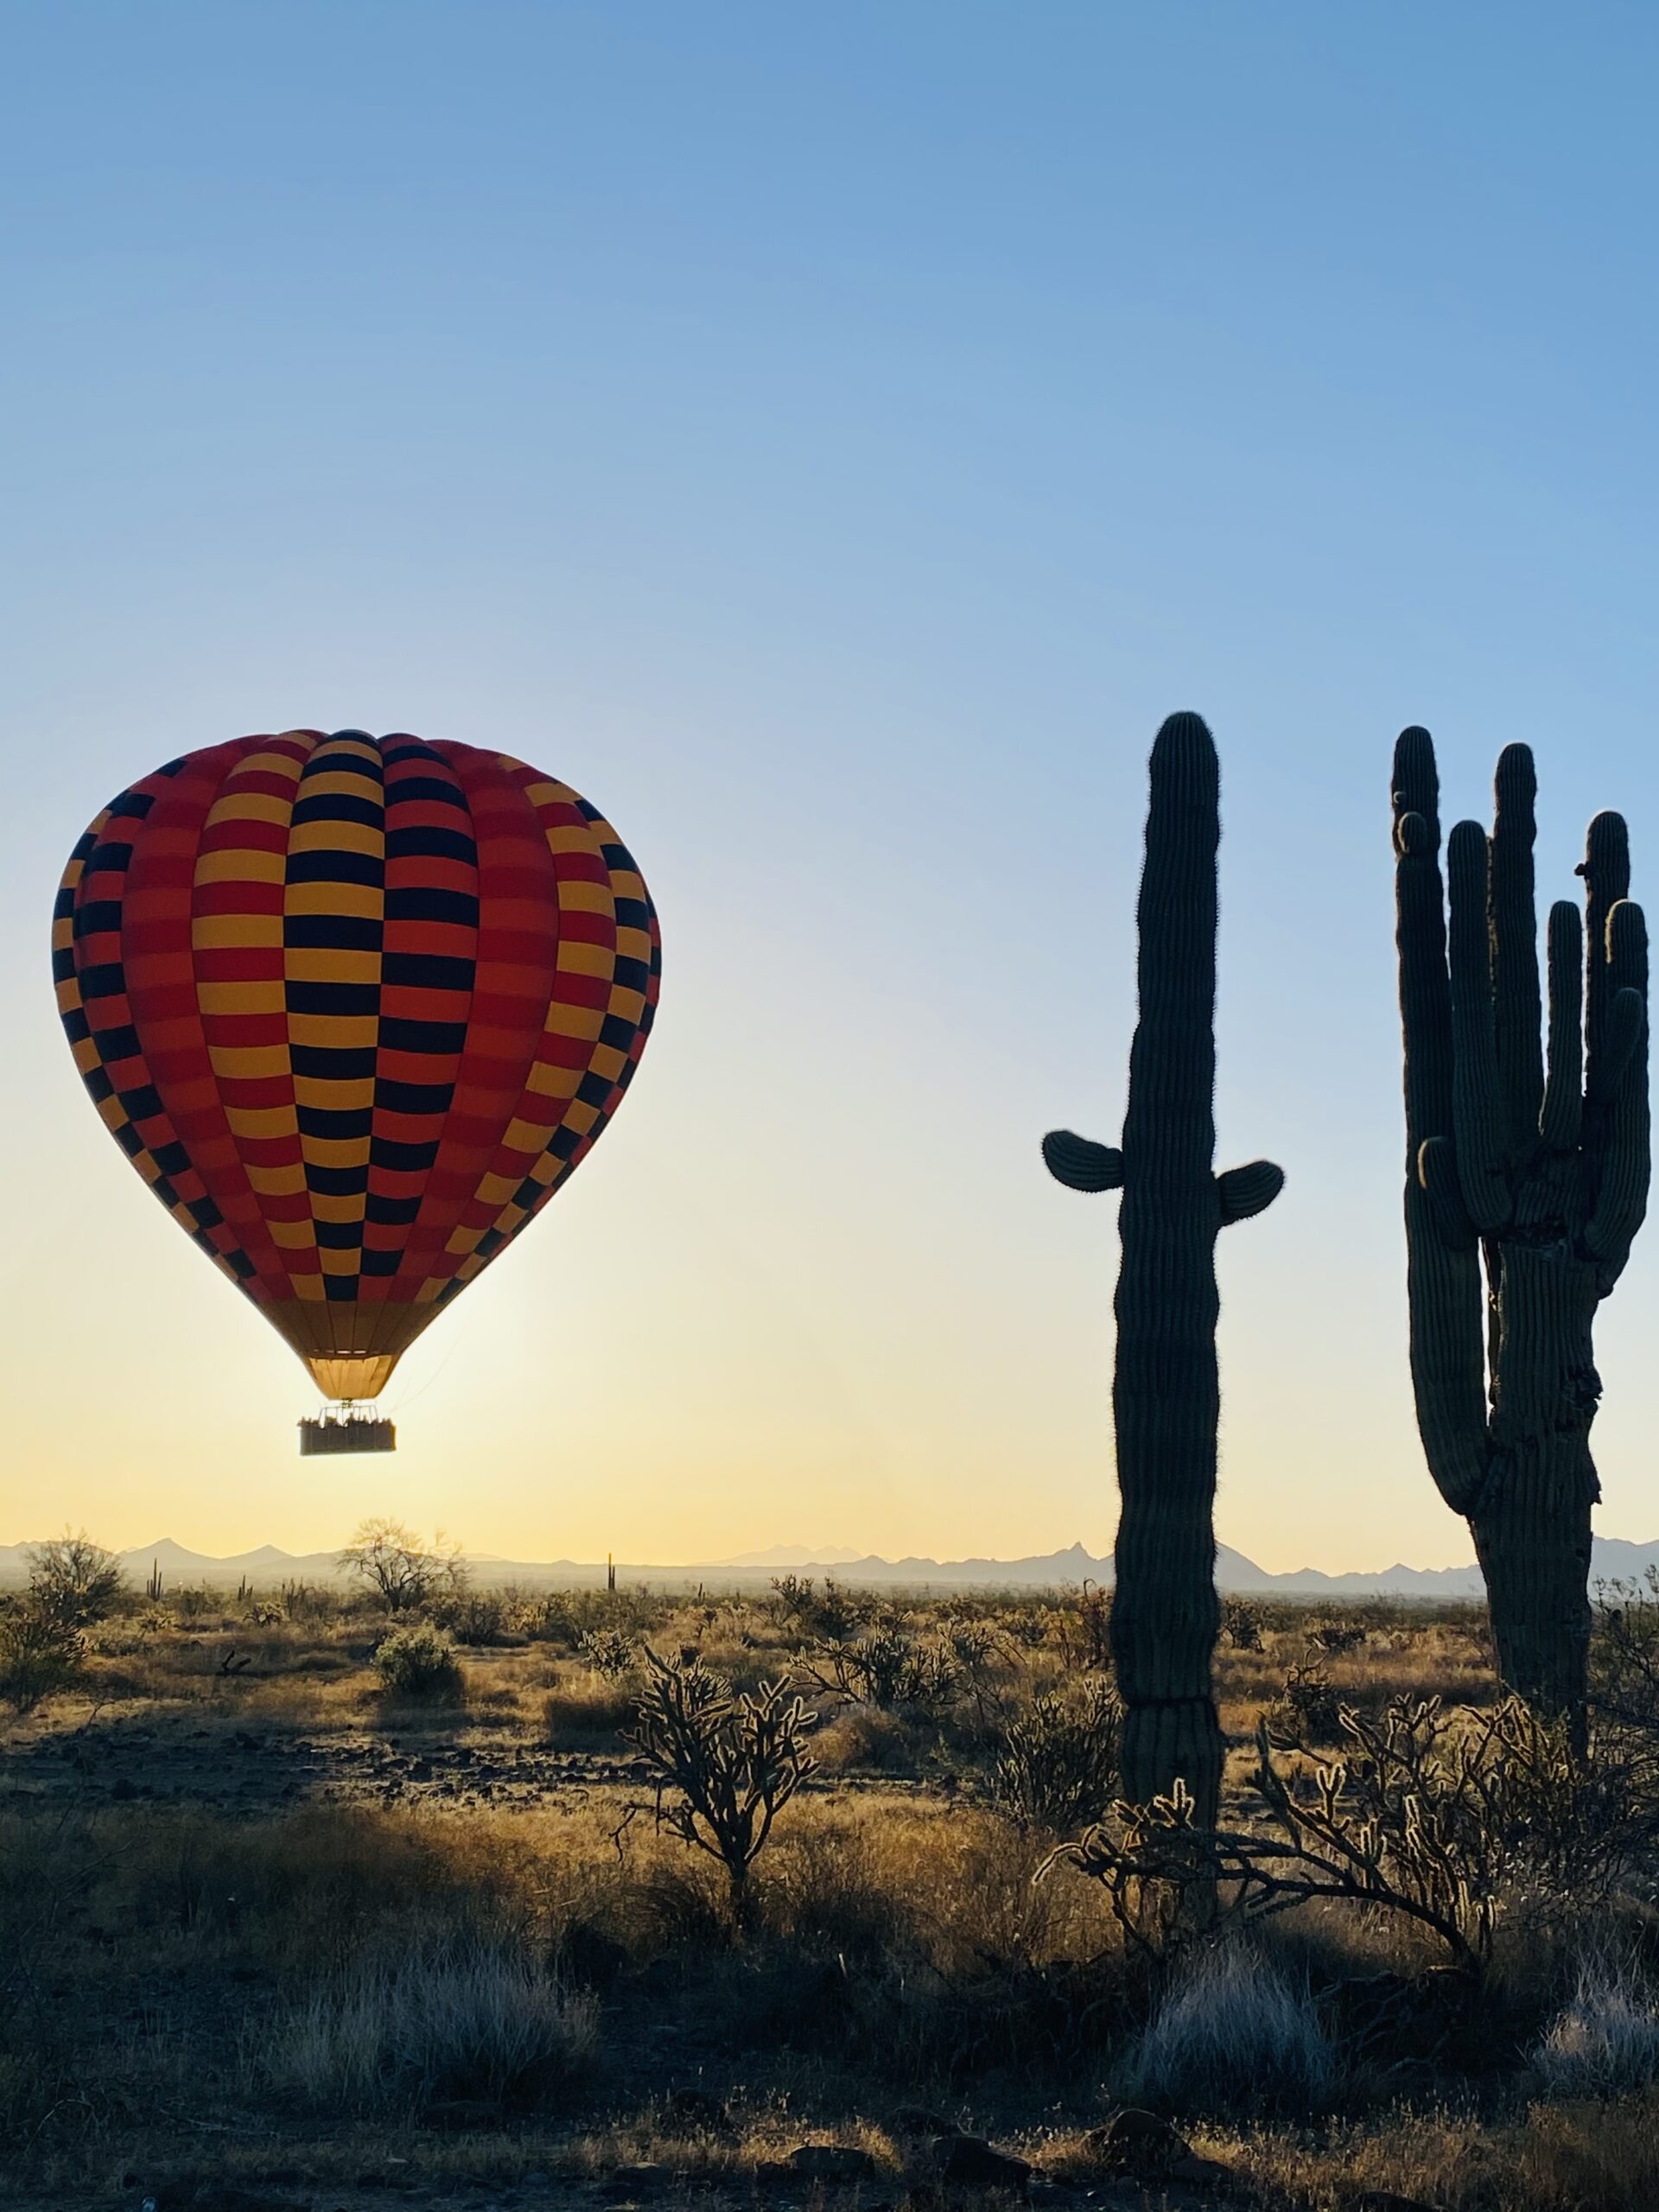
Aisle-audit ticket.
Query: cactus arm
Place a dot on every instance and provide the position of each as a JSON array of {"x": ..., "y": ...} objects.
[
  {"x": 1248, "y": 1191},
  {"x": 1443, "y": 1265},
  {"x": 1437, "y": 1171},
  {"x": 1080, "y": 1164},
  {"x": 1626, "y": 1140},
  {"x": 1425, "y": 990},
  {"x": 1514, "y": 935},
  {"x": 1605, "y": 869},
  {"x": 1627, "y": 1020},
  {"x": 1558, "y": 1124},
  {"x": 1449, "y": 1353},
  {"x": 1477, "y": 1116}
]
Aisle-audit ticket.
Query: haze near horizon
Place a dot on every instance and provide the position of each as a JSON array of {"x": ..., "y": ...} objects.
[{"x": 832, "y": 444}]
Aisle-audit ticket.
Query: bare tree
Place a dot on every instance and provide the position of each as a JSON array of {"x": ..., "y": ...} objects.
[{"x": 405, "y": 1571}]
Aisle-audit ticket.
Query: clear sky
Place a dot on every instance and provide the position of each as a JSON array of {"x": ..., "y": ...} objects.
[{"x": 831, "y": 438}]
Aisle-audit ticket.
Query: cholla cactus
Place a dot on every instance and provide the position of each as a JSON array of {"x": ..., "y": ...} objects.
[
  {"x": 1531, "y": 1175},
  {"x": 1165, "y": 1395},
  {"x": 733, "y": 1761}
]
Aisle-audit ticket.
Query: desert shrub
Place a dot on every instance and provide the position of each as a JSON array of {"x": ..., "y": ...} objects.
[
  {"x": 1453, "y": 1822},
  {"x": 1095, "y": 1628},
  {"x": 465, "y": 2020},
  {"x": 73, "y": 1582},
  {"x": 563, "y": 1617},
  {"x": 1624, "y": 1657},
  {"x": 419, "y": 1662},
  {"x": 587, "y": 1711},
  {"x": 889, "y": 1667},
  {"x": 1057, "y": 1763},
  {"x": 1230, "y": 2034},
  {"x": 1309, "y": 1708},
  {"x": 195, "y": 1604},
  {"x": 832, "y": 1613},
  {"x": 1337, "y": 1637},
  {"x": 477, "y": 1618},
  {"x": 1240, "y": 1623},
  {"x": 39, "y": 1655},
  {"x": 1604, "y": 2041},
  {"x": 863, "y": 1738},
  {"x": 734, "y": 1761},
  {"x": 1030, "y": 1626},
  {"x": 609, "y": 1651}
]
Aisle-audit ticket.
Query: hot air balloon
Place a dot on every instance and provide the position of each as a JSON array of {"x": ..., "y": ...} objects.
[{"x": 355, "y": 1008}]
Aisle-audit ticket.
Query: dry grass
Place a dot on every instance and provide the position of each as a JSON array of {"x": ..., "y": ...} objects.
[
  {"x": 303, "y": 1978},
  {"x": 455, "y": 2019}
]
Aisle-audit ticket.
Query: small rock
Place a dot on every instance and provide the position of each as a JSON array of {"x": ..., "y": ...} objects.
[
  {"x": 831, "y": 2162},
  {"x": 1148, "y": 2148},
  {"x": 968, "y": 2162},
  {"x": 644, "y": 2180}
]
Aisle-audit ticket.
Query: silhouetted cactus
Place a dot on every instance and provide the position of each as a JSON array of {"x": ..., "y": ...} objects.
[
  {"x": 1535, "y": 1176},
  {"x": 1165, "y": 1398}
]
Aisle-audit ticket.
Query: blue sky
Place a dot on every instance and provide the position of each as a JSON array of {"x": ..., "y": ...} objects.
[{"x": 831, "y": 439}]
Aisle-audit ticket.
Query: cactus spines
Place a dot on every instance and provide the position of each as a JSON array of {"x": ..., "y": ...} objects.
[
  {"x": 1165, "y": 1395},
  {"x": 1527, "y": 1174}
]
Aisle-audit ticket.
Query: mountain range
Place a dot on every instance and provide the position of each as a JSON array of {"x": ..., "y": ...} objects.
[{"x": 1614, "y": 1560}]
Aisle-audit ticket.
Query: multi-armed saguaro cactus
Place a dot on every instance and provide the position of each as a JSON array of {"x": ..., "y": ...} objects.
[
  {"x": 1537, "y": 1176},
  {"x": 1165, "y": 1399}
]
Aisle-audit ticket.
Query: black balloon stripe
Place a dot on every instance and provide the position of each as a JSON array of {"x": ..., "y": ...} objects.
[{"x": 326, "y": 1072}]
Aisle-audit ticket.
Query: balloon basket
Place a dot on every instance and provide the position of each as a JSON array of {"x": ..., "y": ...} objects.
[{"x": 346, "y": 1431}]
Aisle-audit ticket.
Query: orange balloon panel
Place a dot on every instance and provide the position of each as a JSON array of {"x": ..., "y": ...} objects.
[{"x": 355, "y": 1008}]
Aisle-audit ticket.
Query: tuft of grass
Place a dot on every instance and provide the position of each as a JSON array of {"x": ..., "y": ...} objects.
[
  {"x": 1232, "y": 2034},
  {"x": 1604, "y": 2041},
  {"x": 584, "y": 1711},
  {"x": 464, "y": 2019}
]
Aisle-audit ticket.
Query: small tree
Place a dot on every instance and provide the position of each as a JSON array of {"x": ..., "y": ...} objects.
[
  {"x": 74, "y": 1582},
  {"x": 38, "y": 1656},
  {"x": 405, "y": 1571},
  {"x": 735, "y": 1760}
]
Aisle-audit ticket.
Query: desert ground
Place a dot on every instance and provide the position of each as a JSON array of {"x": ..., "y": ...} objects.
[{"x": 306, "y": 1902}]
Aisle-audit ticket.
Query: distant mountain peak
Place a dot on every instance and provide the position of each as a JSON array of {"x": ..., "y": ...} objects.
[
  {"x": 1614, "y": 1559},
  {"x": 793, "y": 1556}
]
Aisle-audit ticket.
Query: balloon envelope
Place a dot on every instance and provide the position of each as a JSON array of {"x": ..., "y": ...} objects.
[{"x": 355, "y": 1008}]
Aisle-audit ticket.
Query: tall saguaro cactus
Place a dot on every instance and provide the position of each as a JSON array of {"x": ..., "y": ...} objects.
[
  {"x": 1533, "y": 1174},
  {"x": 1165, "y": 1395}
]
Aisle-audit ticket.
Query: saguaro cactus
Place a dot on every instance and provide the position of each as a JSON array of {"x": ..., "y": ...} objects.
[
  {"x": 1534, "y": 1175},
  {"x": 1166, "y": 1396}
]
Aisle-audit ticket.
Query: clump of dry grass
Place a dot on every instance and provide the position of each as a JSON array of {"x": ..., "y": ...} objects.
[
  {"x": 587, "y": 1711},
  {"x": 1231, "y": 2033},
  {"x": 458, "y": 2019},
  {"x": 1604, "y": 2041}
]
